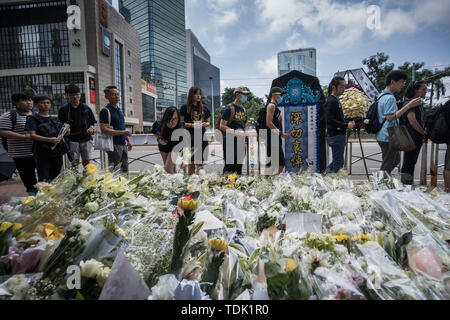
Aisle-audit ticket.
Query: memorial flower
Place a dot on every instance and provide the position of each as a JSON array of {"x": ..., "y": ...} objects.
[{"x": 355, "y": 104}]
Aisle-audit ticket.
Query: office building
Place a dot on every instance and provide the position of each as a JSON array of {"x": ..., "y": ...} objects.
[
  {"x": 161, "y": 27},
  {"x": 303, "y": 60},
  {"x": 200, "y": 70},
  {"x": 40, "y": 53}
]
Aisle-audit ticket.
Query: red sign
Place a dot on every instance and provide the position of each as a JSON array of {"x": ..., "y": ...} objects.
[
  {"x": 103, "y": 5},
  {"x": 147, "y": 86},
  {"x": 92, "y": 90}
]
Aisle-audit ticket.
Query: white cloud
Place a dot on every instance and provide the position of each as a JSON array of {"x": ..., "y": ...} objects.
[
  {"x": 296, "y": 41},
  {"x": 268, "y": 67},
  {"x": 222, "y": 12}
]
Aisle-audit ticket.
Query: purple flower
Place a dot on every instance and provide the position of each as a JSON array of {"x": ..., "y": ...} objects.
[{"x": 358, "y": 279}]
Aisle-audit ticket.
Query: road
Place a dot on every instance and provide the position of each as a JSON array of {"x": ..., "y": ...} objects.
[{"x": 149, "y": 155}]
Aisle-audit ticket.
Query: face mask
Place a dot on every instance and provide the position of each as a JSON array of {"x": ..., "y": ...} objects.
[{"x": 244, "y": 99}]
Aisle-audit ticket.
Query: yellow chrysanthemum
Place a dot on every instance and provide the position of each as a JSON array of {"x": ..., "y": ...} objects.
[
  {"x": 363, "y": 238},
  {"x": 6, "y": 225},
  {"x": 291, "y": 265},
  {"x": 341, "y": 238},
  {"x": 217, "y": 244},
  {"x": 28, "y": 200},
  {"x": 91, "y": 169},
  {"x": 228, "y": 186},
  {"x": 189, "y": 187},
  {"x": 188, "y": 205}
]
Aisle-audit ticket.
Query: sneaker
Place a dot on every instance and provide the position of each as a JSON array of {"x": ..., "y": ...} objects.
[{"x": 407, "y": 179}]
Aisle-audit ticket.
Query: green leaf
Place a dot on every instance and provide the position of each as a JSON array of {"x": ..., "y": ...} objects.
[
  {"x": 79, "y": 296},
  {"x": 136, "y": 180},
  {"x": 272, "y": 269},
  {"x": 196, "y": 229}
]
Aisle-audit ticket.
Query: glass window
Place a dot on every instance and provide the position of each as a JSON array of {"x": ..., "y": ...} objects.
[{"x": 52, "y": 85}]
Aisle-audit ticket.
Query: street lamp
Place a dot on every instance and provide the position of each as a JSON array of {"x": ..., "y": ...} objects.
[{"x": 212, "y": 100}]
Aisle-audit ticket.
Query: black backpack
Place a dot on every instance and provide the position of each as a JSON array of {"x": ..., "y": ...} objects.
[
  {"x": 260, "y": 122},
  {"x": 49, "y": 129},
  {"x": 374, "y": 125},
  {"x": 13, "y": 118},
  {"x": 436, "y": 125}
]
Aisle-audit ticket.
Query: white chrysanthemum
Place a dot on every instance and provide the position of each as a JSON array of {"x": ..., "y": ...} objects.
[
  {"x": 102, "y": 275},
  {"x": 90, "y": 268},
  {"x": 91, "y": 206},
  {"x": 341, "y": 252},
  {"x": 165, "y": 288},
  {"x": 85, "y": 227},
  {"x": 315, "y": 259}
]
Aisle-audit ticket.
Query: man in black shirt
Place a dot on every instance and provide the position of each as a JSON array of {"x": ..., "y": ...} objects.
[
  {"x": 336, "y": 124},
  {"x": 82, "y": 121},
  {"x": 234, "y": 124}
]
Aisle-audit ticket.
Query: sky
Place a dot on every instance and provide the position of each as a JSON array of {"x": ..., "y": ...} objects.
[{"x": 243, "y": 37}]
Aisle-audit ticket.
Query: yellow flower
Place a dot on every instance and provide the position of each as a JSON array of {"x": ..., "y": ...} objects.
[
  {"x": 91, "y": 169},
  {"x": 291, "y": 265},
  {"x": 232, "y": 177},
  {"x": 363, "y": 238},
  {"x": 189, "y": 187},
  {"x": 189, "y": 205},
  {"x": 223, "y": 179},
  {"x": 228, "y": 186},
  {"x": 217, "y": 244},
  {"x": 341, "y": 238},
  {"x": 6, "y": 225},
  {"x": 52, "y": 232},
  {"x": 28, "y": 200}
]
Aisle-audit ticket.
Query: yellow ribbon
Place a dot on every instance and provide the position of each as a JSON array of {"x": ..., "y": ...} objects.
[{"x": 52, "y": 232}]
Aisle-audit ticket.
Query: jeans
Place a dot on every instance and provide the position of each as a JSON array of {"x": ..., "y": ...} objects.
[
  {"x": 410, "y": 157},
  {"x": 337, "y": 144},
  {"x": 48, "y": 168},
  {"x": 235, "y": 166},
  {"x": 27, "y": 172}
]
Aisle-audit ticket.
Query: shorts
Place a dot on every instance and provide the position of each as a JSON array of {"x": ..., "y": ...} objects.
[
  {"x": 447, "y": 158},
  {"x": 83, "y": 149}
]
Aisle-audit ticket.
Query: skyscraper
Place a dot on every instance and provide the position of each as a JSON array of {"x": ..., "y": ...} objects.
[
  {"x": 161, "y": 26},
  {"x": 303, "y": 60}
]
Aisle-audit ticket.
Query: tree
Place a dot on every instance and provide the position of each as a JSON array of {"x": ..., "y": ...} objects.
[
  {"x": 378, "y": 68},
  {"x": 252, "y": 106}
]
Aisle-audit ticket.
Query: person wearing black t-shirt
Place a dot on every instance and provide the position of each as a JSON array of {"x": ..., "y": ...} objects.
[
  {"x": 415, "y": 122},
  {"x": 44, "y": 130},
  {"x": 81, "y": 120},
  {"x": 195, "y": 116},
  {"x": 336, "y": 124},
  {"x": 234, "y": 123},
  {"x": 163, "y": 131}
]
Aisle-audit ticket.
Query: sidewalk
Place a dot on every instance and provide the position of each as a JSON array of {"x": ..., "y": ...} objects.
[{"x": 9, "y": 189}]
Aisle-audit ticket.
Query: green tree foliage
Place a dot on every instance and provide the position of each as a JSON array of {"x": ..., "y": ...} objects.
[
  {"x": 378, "y": 67},
  {"x": 252, "y": 106}
]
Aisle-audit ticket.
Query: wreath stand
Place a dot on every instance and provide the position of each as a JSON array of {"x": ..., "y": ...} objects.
[{"x": 363, "y": 157}]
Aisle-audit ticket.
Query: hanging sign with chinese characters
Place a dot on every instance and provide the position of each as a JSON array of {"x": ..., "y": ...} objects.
[{"x": 300, "y": 109}]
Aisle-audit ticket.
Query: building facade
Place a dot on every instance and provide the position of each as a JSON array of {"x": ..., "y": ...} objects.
[
  {"x": 40, "y": 53},
  {"x": 200, "y": 71},
  {"x": 303, "y": 60},
  {"x": 161, "y": 26}
]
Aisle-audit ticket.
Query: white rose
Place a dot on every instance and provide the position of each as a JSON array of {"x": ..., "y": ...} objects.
[
  {"x": 90, "y": 268},
  {"x": 91, "y": 206},
  {"x": 102, "y": 275}
]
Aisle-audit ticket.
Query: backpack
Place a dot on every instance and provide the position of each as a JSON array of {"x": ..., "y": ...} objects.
[
  {"x": 219, "y": 116},
  {"x": 49, "y": 129},
  {"x": 436, "y": 125},
  {"x": 13, "y": 118},
  {"x": 374, "y": 125},
  {"x": 260, "y": 122}
]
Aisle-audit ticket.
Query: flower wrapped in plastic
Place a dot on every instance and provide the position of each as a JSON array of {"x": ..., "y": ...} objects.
[{"x": 355, "y": 104}]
